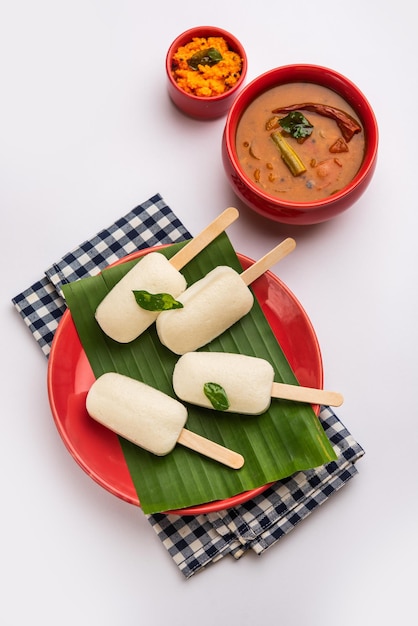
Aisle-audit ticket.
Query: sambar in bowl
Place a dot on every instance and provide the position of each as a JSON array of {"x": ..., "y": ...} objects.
[{"x": 300, "y": 144}]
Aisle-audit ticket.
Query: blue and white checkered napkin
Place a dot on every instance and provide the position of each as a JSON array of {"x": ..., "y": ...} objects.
[{"x": 192, "y": 541}]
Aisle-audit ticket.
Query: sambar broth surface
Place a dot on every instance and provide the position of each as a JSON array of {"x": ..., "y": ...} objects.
[{"x": 326, "y": 172}]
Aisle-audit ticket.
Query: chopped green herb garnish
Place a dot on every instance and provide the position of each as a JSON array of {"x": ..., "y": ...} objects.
[
  {"x": 296, "y": 124},
  {"x": 209, "y": 56},
  {"x": 217, "y": 396},
  {"x": 156, "y": 301}
]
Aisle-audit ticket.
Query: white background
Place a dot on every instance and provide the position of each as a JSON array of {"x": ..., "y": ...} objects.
[{"x": 87, "y": 133}]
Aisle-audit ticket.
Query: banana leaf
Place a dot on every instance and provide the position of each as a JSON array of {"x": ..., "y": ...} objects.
[{"x": 285, "y": 439}]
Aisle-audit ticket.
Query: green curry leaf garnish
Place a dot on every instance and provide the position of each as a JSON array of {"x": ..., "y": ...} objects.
[
  {"x": 156, "y": 301},
  {"x": 216, "y": 395},
  {"x": 209, "y": 56},
  {"x": 296, "y": 124}
]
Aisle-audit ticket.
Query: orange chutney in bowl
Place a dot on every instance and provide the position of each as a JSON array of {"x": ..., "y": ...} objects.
[
  {"x": 206, "y": 66},
  {"x": 300, "y": 141}
]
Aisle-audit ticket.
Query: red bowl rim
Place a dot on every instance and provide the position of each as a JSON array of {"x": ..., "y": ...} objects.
[
  {"x": 305, "y": 72},
  {"x": 207, "y": 31}
]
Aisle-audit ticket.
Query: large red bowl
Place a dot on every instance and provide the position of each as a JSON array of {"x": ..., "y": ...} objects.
[
  {"x": 195, "y": 106},
  {"x": 287, "y": 211}
]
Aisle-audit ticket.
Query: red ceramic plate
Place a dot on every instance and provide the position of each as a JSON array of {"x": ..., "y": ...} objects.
[{"x": 97, "y": 450}]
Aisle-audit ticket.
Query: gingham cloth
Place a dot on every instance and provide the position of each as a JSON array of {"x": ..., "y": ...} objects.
[{"x": 193, "y": 542}]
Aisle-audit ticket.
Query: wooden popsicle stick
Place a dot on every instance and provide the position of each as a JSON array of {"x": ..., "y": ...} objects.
[
  {"x": 306, "y": 394},
  {"x": 268, "y": 260},
  {"x": 210, "y": 449},
  {"x": 204, "y": 238}
]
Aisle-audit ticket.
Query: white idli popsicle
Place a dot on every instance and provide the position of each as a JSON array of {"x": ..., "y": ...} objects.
[
  {"x": 120, "y": 316},
  {"x": 149, "y": 418},
  {"x": 214, "y": 303},
  {"x": 210, "y": 306},
  {"x": 238, "y": 383}
]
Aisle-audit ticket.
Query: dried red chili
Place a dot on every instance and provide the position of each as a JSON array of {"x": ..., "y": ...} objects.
[{"x": 347, "y": 124}]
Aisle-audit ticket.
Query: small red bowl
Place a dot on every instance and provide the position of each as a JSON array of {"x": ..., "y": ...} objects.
[
  {"x": 196, "y": 106},
  {"x": 288, "y": 211}
]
